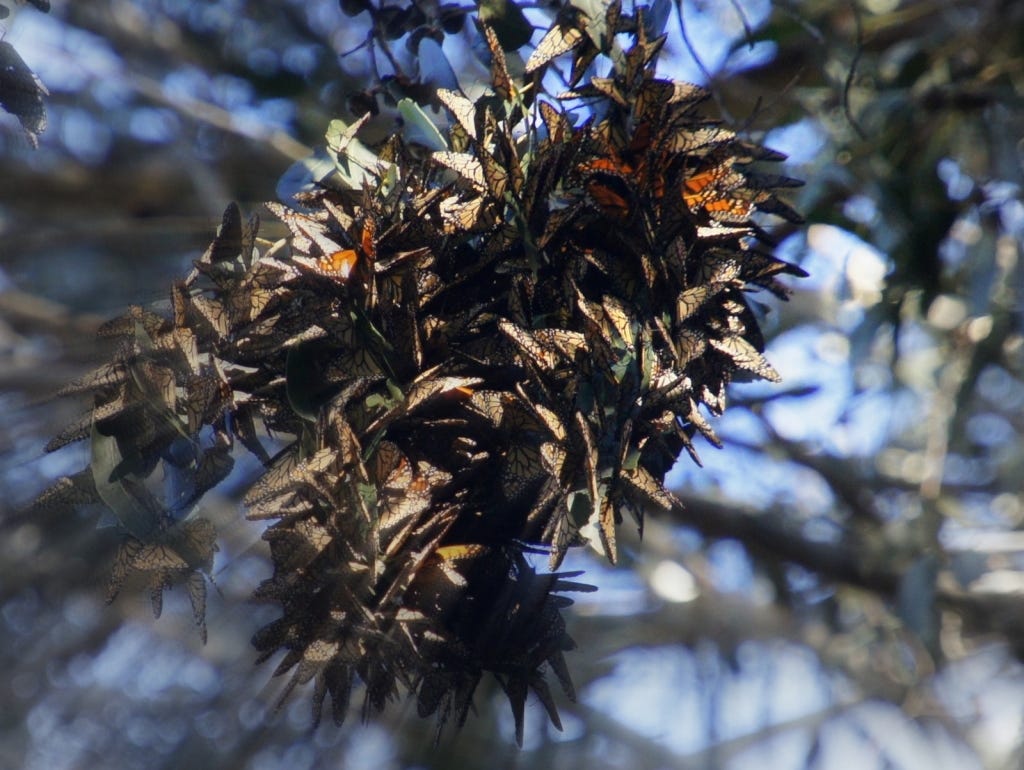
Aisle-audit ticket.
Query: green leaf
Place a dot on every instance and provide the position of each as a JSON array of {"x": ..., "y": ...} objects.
[
  {"x": 307, "y": 386},
  {"x": 138, "y": 513},
  {"x": 395, "y": 391},
  {"x": 368, "y": 494},
  {"x": 622, "y": 368},
  {"x": 305, "y": 175},
  {"x": 418, "y": 128},
  {"x": 632, "y": 460},
  {"x": 580, "y": 507},
  {"x": 300, "y": 382},
  {"x": 355, "y": 163},
  {"x": 647, "y": 360},
  {"x": 378, "y": 400}
]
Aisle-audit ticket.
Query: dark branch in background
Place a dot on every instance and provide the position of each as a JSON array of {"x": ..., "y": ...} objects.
[
  {"x": 769, "y": 539},
  {"x": 851, "y": 488},
  {"x": 768, "y": 536},
  {"x": 851, "y": 73}
]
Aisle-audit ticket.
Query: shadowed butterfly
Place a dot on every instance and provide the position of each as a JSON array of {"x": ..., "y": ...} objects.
[
  {"x": 557, "y": 124},
  {"x": 502, "y": 81},
  {"x": 746, "y": 356},
  {"x": 656, "y": 96},
  {"x": 464, "y": 215},
  {"x": 607, "y": 184},
  {"x": 523, "y": 466},
  {"x": 444, "y": 570}
]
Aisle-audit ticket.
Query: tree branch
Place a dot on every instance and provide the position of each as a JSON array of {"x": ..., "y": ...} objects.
[{"x": 766, "y": 534}]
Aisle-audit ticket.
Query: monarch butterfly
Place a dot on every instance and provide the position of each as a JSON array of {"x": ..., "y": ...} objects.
[
  {"x": 341, "y": 263},
  {"x": 619, "y": 320},
  {"x": 522, "y": 467},
  {"x": 465, "y": 165},
  {"x": 495, "y": 175},
  {"x": 463, "y": 215},
  {"x": 656, "y": 96},
  {"x": 227, "y": 244},
  {"x": 746, "y": 356},
  {"x": 608, "y": 185},
  {"x": 721, "y": 191},
  {"x": 500, "y": 78},
  {"x": 560, "y": 39},
  {"x": 558, "y": 126},
  {"x": 542, "y": 352},
  {"x": 462, "y": 108}
]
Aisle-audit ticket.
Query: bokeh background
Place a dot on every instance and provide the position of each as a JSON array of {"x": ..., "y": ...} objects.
[{"x": 847, "y": 589}]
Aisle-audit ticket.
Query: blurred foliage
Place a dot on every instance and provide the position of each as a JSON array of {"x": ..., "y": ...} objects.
[{"x": 847, "y": 578}]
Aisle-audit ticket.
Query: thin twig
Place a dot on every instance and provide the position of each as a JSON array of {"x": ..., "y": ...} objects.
[{"x": 852, "y": 72}]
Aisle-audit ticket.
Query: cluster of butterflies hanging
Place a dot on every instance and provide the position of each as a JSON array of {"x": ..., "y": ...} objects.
[{"x": 479, "y": 352}]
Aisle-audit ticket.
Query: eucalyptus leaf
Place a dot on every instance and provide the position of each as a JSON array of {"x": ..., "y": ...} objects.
[
  {"x": 304, "y": 382},
  {"x": 435, "y": 68},
  {"x": 580, "y": 507},
  {"x": 305, "y": 175},
  {"x": 418, "y": 128},
  {"x": 138, "y": 513},
  {"x": 356, "y": 164}
]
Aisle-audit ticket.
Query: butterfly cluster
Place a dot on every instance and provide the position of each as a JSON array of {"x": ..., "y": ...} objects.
[{"x": 484, "y": 348}]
